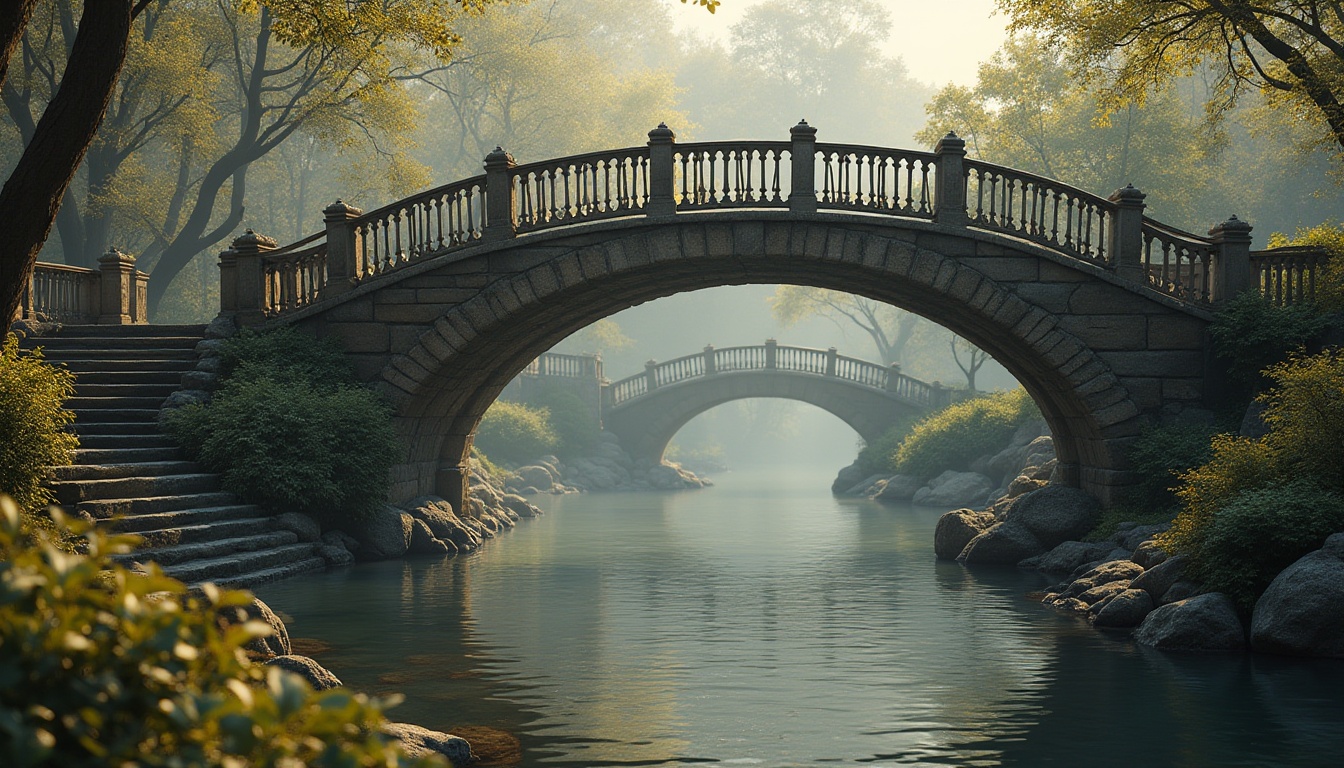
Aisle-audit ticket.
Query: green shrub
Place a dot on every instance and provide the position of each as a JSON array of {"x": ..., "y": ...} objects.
[
  {"x": 33, "y": 423},
  {"x": 102, "y": 667},
  {"x": 1262, "y": 531},
  {"x": 290, "y": 429},
  {"x": 880, "y": 456},
  {"x": 515, "y": 432},
  {"x": 1159, "y": 455},
  {"x": 574, "y": 422},
  {"x": 961, "y": 433},
  {"x": 1250, "y": 334}
]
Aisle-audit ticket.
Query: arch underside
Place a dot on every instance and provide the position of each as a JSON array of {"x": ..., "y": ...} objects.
[
  {"x": 530, "y": 295},
  {"x": 647, "y": 424}
]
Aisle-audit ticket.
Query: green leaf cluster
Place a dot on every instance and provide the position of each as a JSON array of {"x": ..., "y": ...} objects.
[
  {"x": 961, "y": 433},
  {"x": 1248, "y": 484},
  {"x": 574, "y": 422},
  {"x": 1159, "y": 455},
  {"x": 33, "y": 423},
  {"x": 516, "y": 433},
  {"x": 878, "y": 456},
  {"x": 291, "y": 429},
  {"x": 100, "y": 666},
  {"x": 1251, "y": 334}
]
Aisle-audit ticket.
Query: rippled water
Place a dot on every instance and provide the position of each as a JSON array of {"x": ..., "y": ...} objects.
[{"x": 762, "y": 622}]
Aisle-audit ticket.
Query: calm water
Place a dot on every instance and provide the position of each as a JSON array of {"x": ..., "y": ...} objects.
[{"x": 764, "y": 623}]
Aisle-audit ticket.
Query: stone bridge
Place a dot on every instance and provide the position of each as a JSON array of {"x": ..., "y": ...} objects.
[{"x": 443, "y": 297}]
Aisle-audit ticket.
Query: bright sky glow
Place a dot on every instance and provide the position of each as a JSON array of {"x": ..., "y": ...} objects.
[{"x": 940, "y": 41}]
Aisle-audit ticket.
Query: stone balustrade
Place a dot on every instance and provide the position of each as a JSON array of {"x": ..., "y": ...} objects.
[{"x": 113, "y": 294}]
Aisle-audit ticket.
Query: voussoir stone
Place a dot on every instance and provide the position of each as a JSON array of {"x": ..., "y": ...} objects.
[
  {"x": 1055, "y": 514},
  {"x": 1207, "y": 622},
  {"x": 318, "y": 676},
  {"x": 1301, "y": 613},
  {"x": 1006, "y": 543},
  {"x": 955, "y": 529}
]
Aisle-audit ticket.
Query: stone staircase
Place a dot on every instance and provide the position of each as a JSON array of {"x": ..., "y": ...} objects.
[{"x": 127, "y": 469}]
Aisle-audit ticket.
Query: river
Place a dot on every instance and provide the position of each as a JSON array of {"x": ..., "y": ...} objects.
[{"x": 764, "y": 623}]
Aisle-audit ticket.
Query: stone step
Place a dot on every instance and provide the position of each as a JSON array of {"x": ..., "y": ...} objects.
[
  {"x": 158, "y": 539},
  {"x": 102, "y": 432},
  {"x": 268, "y": 575},
  {"x": 120, "y": 331},
  {"x": 64, "y": 343},
  {"x": 186, "y": 513},
  {"x": 75, "y": 491},
  {"x": 177, "y": 365},
  {"x": 166, "y": 452},
  {"x": 178, "y": 554},
  {"x": 113, "y": 354},
  {"x": 85, "y": 472},
  {"x": 136, "y": 389},
  {"x": 211, "y": 505},
  {"x": 79, "y": 403},
  {"x": 105, "y": 415},
  {"x": 140, "y": 378},
  {"x": 235, "y": 565}
]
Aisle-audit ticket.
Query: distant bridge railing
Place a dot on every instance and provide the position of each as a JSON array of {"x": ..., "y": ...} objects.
[
  {"x": 563, "y": 366},
  {"x": 113, "y": 294},
  {"x": 664, "y": 178},
  {"x": 770, "y": 356}
]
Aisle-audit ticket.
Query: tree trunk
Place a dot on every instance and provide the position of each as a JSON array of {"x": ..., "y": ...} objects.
[
  {"x": 32, "y": 193},
  {"x": 14, "y": 15}
]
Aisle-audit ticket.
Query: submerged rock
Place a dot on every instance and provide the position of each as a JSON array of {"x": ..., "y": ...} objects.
[{"x": 1006, "y": 543}]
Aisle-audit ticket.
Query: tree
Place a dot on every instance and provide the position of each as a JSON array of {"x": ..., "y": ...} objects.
[
  {"x": 889, "y": 328},
  {"x": 1292, "y": 50},
  {"x": 975, "y": 358}
]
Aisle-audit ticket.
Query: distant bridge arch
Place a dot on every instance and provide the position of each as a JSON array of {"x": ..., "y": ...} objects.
[{"x": 441, "y": 298}]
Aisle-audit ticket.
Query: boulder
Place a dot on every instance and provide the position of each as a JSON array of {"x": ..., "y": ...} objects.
[
  {"x": 900, "y": 488},
  {"x": 1055, "y": 514},
  {"x": 1126, "y": 609},
  {"x": 306, "y": 527},
  {"x": 384, "y": 535},
  {"x": 318, "y": 676},
  {"x": 1301, "y": 613},
  {"x": 1131, "y": 538},
  {"x": 1206, "y": 622},
  {"x": 275, "y": 644},
  {"x": 419, "y": 742},
  {"x": 956, "y": 528},
  {"x": 1159, "y": 578},
  {"x": 1105, "y": 573},
  {"x": 1068, "y": 556},
  {"x": 423, "y": 541},
  {"x": 334, "y": 554},
  {"x": 847, "y": 478},
  {"x": 869, "y": 484},
  {"x": 1025, "y": 484},
  {"x": 538, "y": 475},
  {"x": 955, "y": 489},
  {"x": 222, "y": 327},
  {"x": 437, "y": 514},
  {"x": 340, "y": 538},
  {"x": 1103, "y": 591},
  {"x": 1006, "y": 543},
  {"x": 1149, "y": 554},
  {"x": 519, "y": 505},
  {"x": 1181, "y": 590}
]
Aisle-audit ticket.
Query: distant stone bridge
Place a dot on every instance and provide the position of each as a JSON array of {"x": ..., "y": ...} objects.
[
  {"x": 647, "y": 409},
  {"x": 442, "y": 297}
]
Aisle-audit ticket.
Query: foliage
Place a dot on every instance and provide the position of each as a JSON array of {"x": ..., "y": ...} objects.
[
  {"x": 1250, "y": 334},
  {"x": 1159, "y": 455},
  {"x": 1304, "y": 412},
  {"x": 878, "y": 457},
  {"x": 490, "y": 469},
  {"x": 1262, "y": 531},
  {"x": 516, "y": 432},
  {"x": 1288, "y": 49},
  {"x": 961, "y": 433},
  {"x": 1330, "y": 280},
  {"x": 889, "y": 328},
  {"x": 102, "y": 667},
  {"x": 1112, "y": 518},
  {"x": 292, "y": 430},
  {"x": 574, "y": 422},
  {"x": 603, "y": 336},
  {"x": 33, "y": 423}
]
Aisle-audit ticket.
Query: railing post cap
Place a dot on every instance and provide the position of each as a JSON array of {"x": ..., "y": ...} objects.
[
  {"x": 771, "y": 342},
  {"x": 950, "y": 143},
  {"x": 662, "y": 135},
  {"x": 340, "y": 210},
  {"x": 1127, "y": 194},
  {"x": 1230, "y": 230},
  {"x": 832, "y": 349},
  {"x": 803, "y": 131},
  {"x": 499, "y": 158},
  {"x": 115, "y": 255},
  {"x": 250, "y": 239},
  {"x": 650, "y": 363},
  {"x": 709, "y": 347}
]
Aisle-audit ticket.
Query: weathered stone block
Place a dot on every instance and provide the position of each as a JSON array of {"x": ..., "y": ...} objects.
[
  {"x": 748, "y": 238},
  {"x": 1053, "y": 272},
  {"x": 361, "y": 337},
  {"x": 1146, "y": 393},
  {"x": 1156, "y": 363},
  {"x": 403, "y": 337},
  {"x": 1182, "y": 389},
  {"x": 1176, "y": 332},
  {"x": 1105, "y": 299},
  {"x": 1052, "y": 297},
  {"x": 443, "y": 295},
  {"x": 593, "y": 262},
  {"x": 776, "y": 239},
  {"x": 422, "y": 314},
  {"x": 571, "y": 274},
  {"x": 1122, "y": 332},
  {"x": 351, "y": 311},
  {"x": 665, "y": 245},
  {"x": 394, "y": 296},
  {"x": 835, "y": 244},
  {"x": 1003, "y": 269}
]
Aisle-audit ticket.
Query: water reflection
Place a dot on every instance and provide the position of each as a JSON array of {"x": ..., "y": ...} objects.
[{"x": 762, "y": 622}]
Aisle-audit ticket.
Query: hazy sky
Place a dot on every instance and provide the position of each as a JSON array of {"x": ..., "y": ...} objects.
[{"x": 919, "y": 32}]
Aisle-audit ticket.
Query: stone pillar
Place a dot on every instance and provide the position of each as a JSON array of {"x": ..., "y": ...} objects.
[
  {"x": 894, "y": 377},
  {"x": 771, "y": 353},
  {"x": 452, "y": 485},
  {"x": 662, "y": 193},
  {"x": 343, "y": 248},
  {"x": 116, "y": 291},
  {"x": 249, "y": 277},
  {"x": 1232, "y": 259},
  {"x": 651, "y": 375},
  {"x": 832, "y": 357},
  {"x": 140, "y": 306},
  {"x": 950, "y": 181},
  {"x": 1126, "y": 241},
  {"x": 803, "y": 194},
  {"x": 501, "y": 205},
  {"x": 228, "y": 282},
  {"x": 711, "y": 367}
]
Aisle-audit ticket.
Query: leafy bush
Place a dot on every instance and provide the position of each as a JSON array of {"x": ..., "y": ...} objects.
[
  {"x": 961, "y": 433},
  {"x": 574, "y": 422},
  {"x": 1261, "y": 532},
  {"x": 515, "y": 432},
  {"x": 33, "y": 423},
  {"x": 1330, "y": 280},
  {"x": 880, "y": 456},
  {"x": 1250, "y": 334},
  {"x": 104, "y": 667},
  {"x": 1159, "y": 455},
  {"x": 290, "y": 429}
]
